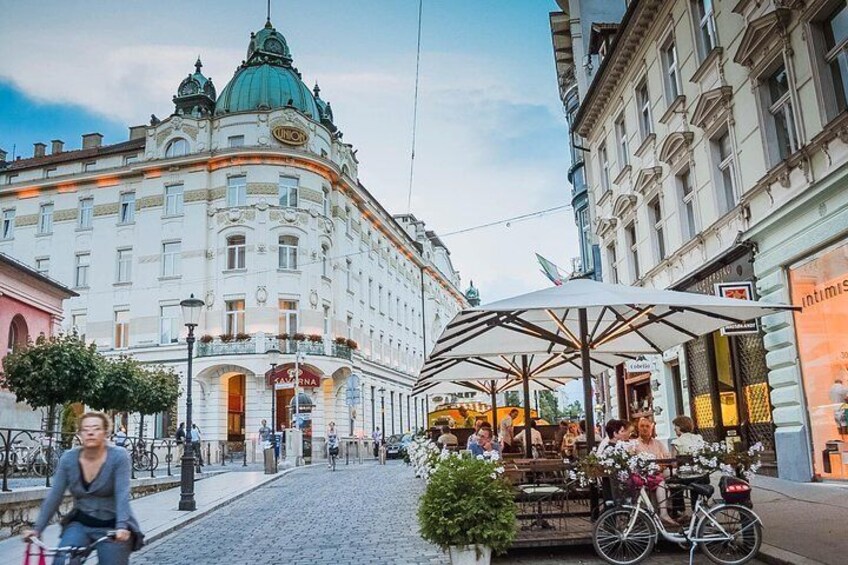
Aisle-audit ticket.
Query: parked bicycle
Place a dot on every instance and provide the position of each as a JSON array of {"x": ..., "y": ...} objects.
[
  {"x": 39, "y": 459},
  {"x": 74, "y": 555},
  {"x": 142, "y": 458},
  {"x": 728, "y": 533}
]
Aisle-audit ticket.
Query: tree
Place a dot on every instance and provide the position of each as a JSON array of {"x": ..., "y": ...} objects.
[
  {"x": 549, "y": 406},
  {"x": 118, "y": 387},
  {"x": 52, "y": 371},
  {"x": 511, "y": 398},
  {"x": 157, "y": 390},
  {"x": 574, "y": 410}
]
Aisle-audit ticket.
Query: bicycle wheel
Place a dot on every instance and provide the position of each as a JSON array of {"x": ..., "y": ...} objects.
[
  {"x": 141, "y": 462},
  {"x": 737, "y": 531},
  {"x": 154, "y": 462},
  {"x": 614, "y": 546}
]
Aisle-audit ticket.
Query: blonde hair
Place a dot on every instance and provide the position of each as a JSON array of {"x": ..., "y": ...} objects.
[{"x": 107, "y": 424}]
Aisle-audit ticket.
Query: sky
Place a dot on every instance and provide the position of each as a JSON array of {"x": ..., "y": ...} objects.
[{"x": 491, "y": 138}]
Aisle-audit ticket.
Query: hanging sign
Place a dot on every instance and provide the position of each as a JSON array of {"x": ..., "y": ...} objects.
[
  {"x": 285, "y": 375},
  {"x": 639, "y": 366},
  {"x": 740, "y": 291}
]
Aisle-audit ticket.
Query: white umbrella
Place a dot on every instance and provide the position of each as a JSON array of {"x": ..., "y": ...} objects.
[{"x": 590, "y": 319}]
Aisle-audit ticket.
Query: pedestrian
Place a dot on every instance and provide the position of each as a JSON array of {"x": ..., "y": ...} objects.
[
  {"x": 121, "y": 437},
  {"x": 377, "y": 436},
  {"x": 508, "y": 431},
  {"x": 195, "y": 444},
  {"x": 179, "y": 438},
  {"x": 264, "y": 432},
  {"x": 97, "y": 475},
  {"x": 332, "y": 442}
]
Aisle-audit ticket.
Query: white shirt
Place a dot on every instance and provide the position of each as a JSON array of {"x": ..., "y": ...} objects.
[
  {"x": 506, "y": 430},
  {"x": 687, "y": 443}
]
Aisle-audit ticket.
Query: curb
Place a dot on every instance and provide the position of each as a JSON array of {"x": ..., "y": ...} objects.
[
  {"x": 194, "y": 516},
  {"x": 776, "y": 556}
]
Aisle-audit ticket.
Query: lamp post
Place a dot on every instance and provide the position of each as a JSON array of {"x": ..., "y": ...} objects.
[
  {"x": 191, "y": 315},
  {"x": 297, "y": 358},
  {"x": 274, "y": 356},
  {"x": 382, "y": 415}
]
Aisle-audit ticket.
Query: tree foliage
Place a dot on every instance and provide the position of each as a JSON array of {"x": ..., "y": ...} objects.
[
  {"x": 158, "y": 390},
  {"x": 549, "y": 406},
  {"x": 52, "y": 371},
  {"x": 118, "y": 386},
  {"x": 512, "y": 398}
]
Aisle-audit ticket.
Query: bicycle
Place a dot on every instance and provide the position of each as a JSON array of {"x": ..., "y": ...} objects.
[
  {"x": 143, "y": 460},
  {"x": 75, "y": 555},
  {"x": 729, "y": 534}
]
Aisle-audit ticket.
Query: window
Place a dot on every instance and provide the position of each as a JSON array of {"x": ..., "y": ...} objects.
[
  {"x": 585, "y": 232},
  {"x": 687, "y": 199},
  {"x": 781, "y": 129},
  {"x": 288, "y": 191},
  {"x": 326, "y": 320},
  {"x": 126, "y": 208},
  {"x": 630, "y": 232},
  {"x": 371, "y": 293},
  {"x": 380, "y": 299},
  {"x": 646, "y": 124},
  {"x": 7, "y": 230},
  {"x": 349, "y": 275},
  {"x": 174, "y": 200},
  {"x": 705, "y": 22},
  {"x": 122, "y": 329},
  {"x": 612, "y": 255},
  {"x": 169, "y": 324},
  {"x": 655, "y": 210},
  {"x": 123, "y": 270},
  {"x": 621, "y": 139},
  {"x": 389, "y": 306},
  {"x": 236, "y": 191},
  {"x": 348, "y": 221},
  {"x": 177, "y": 148},
  {"x": 235, "y": 141},
  {"x": 234, "y": 317},
  {"x": 236, "y": 248},
  {"x": 288, "y": 317},
  {"x": 42, "y": 265},
  {"x": 288, "y": 252},
  {"x": 604, "y": 163},
  {"x": 83, "y": 261},
  {"x": 78, "y": 323},
  {"x": 45, "y": 218},
  {"x": 349, "y": 325},
  {"x": 171, "y": 252},
  {"x": 831, "y": 37},
  {"x": 325, "y": 261},
  {"x": 325, "y": 202},
  {"x": 86, "y": 213},
  {"x": 90, "y": 166},
  {"x": 671, "y": 76},
  {"x": 726, "y": 170},
  {"x": 50, "y": 172}
]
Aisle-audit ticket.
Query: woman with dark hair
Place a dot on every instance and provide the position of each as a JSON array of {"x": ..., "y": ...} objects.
[{"x": 616, "y": 430}]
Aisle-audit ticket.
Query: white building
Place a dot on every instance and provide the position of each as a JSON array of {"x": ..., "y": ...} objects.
[
  {"x": 250, "y": 201},
  {"x": 716, "y": 153}
]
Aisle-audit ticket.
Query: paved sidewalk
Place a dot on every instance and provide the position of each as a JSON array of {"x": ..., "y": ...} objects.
[
  {"x": 804, "y": 522},
  {"x": 158, "y": 513}
]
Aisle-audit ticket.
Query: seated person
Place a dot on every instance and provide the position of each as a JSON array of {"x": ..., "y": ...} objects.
[
  {"x": 582, "y": 436},
  {"x": 484, "y": 442},
  {"x": 647, "y": 443},
  {"x": 447, "y": 439},
  {"x": 616, "y": 431},
  {"x": 686, "y": 442},
  {"x": 473, "y": 437}
]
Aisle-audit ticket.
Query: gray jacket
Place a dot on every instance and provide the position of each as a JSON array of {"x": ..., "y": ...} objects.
[{"x": 108, "y": 496}]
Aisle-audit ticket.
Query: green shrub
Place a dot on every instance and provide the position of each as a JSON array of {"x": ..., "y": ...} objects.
[{"x": 467, "y": 502}]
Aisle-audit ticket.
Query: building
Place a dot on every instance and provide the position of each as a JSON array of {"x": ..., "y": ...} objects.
[
  {"x": 716, "y": 149},
  {"x": 30, "y": 305},
  {"x": 250, "y": 201}
]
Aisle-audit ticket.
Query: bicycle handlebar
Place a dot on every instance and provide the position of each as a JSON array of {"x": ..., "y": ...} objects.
[{"x": 110, "y": 535}]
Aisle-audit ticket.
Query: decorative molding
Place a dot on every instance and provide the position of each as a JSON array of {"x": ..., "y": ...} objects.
[
  {"x": 65, "y": 215},
  {"x": 311, "y": 195},
  {"x": 199, "y": 195},
  {"x": 646, "y": 143},
  {"x": 712, "y": 106},
  {"x": 604, "y": 225},
  {"x": 622, "y": 204},
  {"x": 105, "y": 209},
  {"x": 26, "y": 220},
  {"x": 713, "y": 58},
  {"x": 622, "y": 175},
  {"x": 677, "y": 106},
  {"x": 262, "y": 189},
  {"x": 154, "y": 201},
  {"x": 675, "y": 146},
  {"x": 647, "y": 177},
  {"x": 762, "y": 36}
]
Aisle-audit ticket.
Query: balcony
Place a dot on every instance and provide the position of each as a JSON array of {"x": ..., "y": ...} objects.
[{"x": 258, "y": 344}]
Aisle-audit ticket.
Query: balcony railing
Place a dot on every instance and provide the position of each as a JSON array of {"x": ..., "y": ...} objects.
[{"x": 260, "y": 343}]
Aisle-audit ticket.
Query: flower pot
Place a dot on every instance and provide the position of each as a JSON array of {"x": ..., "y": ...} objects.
[{"x": 470, "y": 554}]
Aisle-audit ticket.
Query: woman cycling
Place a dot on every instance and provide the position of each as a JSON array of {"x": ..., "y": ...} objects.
[{"x": 98, "y": 477}]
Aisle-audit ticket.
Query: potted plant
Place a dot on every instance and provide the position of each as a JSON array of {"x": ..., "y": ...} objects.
[
  {"x": 341, "y": 341},
  {"x": 226, "y": 338},
  {"x": 468, "y": 509},
  {"x": 242, "y": 336},
  {"x": 315, "y": 338},
  {"x": 352, "y": 344},
  {"x": 299, "y": 337},
  {"x": 206, "y": 338},
  {"x": 283, "y": 337}
]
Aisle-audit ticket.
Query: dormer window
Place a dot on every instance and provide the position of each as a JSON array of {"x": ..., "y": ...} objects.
[{"x": 177, "y": 148}]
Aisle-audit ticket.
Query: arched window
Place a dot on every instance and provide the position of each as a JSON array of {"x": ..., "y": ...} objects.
[
  {"x": 288, "y": 252},
  {"x": 236, "y": 245},
  {"x": 17, "y": 333},
  {"x": 177, "y": 148}
]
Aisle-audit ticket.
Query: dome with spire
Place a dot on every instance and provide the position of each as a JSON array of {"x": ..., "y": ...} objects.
[
  {"x": 196, "y": 93},
  {"x": 267, "y": 80},
  {"x": 473, "y": 295},
  {"x": 324, "y": 109}
]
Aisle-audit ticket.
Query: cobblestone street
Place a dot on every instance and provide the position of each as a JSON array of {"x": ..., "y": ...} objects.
[{"x": 359, "y": 514}]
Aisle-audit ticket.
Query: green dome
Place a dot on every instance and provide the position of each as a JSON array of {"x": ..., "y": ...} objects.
[{"x": 267, "y": 79}]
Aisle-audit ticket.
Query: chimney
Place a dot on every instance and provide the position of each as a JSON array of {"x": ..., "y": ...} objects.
[
  {"x": 57, "y": 146},
  {"x": 2, "y": 156},
  {"x": 92, "y": 140},
  {"x": 38, "y": 150},
  {"x": 137, "y": 132}
]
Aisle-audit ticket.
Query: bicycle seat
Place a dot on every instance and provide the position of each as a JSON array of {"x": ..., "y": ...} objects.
[{"x": 703, "y": 490}]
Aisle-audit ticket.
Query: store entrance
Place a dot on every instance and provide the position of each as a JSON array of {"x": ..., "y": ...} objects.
[
  {"x": 283, "y": 414},
  {"x": 235, "y": 408}
]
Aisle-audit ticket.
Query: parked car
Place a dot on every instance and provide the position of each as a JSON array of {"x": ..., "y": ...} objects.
[{"x": 396, "y": 445}]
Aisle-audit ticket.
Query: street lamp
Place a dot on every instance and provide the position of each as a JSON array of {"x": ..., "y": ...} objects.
[
  {"x": 274, "y": 356},
  {"x": 382, "y": 415},
  {"x": 191, "y": 316}
]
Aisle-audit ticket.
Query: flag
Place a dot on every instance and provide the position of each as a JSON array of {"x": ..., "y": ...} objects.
[{"x": 551, "y": 271}]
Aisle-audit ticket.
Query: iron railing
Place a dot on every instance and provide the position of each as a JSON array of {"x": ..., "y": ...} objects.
[{"x": 260, "y": 343}]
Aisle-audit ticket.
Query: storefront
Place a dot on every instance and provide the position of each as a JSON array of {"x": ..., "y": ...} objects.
[
  {"x": 727, "y": 372},
  {"x": 819, "y": 284}
]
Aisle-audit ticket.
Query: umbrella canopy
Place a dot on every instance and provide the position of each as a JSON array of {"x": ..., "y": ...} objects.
[
  {"x": 620, "y": 319},
  {"x": 582, "y": 318}
]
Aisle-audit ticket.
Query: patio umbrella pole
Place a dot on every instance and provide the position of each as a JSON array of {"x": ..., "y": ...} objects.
[
  {"x": 525, "y": 375},
  {"x": 587, "y": 395},
  {"x": 494, "y": 409}
]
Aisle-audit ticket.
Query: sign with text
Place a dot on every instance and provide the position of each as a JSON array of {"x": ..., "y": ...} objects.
[
  {"x": 285, "y": 375},
  {"x": 740, "y": 291},
  {"x": 639, "y": 366},
  {"x": 290, "y": 135}
]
